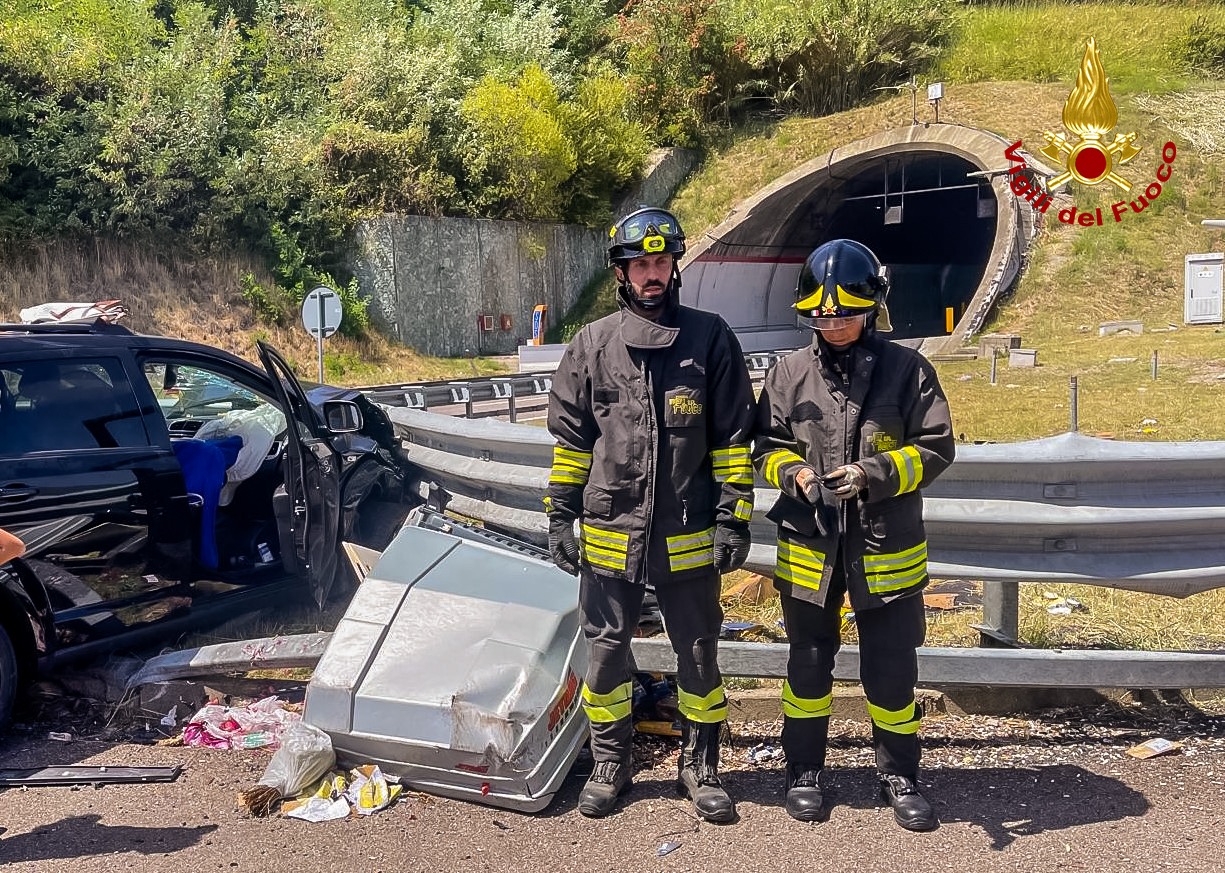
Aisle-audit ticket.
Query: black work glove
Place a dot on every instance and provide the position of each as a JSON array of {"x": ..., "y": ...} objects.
[
  {"x": 731, "y": 546},
  {"x": 562, "y": 546}
]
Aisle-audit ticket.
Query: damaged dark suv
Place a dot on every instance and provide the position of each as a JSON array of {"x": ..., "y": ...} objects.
[{"x": 161, "y": 485}]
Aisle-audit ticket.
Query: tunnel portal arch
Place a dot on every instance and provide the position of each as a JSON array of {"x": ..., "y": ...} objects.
[{"x": 931, "y": 200}]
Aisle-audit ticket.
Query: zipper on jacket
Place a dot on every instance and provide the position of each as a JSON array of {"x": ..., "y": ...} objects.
[{"x": 652, "y": 448}]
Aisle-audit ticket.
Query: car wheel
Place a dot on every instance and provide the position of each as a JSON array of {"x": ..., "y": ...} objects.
[{"x": 8, "y": 676}]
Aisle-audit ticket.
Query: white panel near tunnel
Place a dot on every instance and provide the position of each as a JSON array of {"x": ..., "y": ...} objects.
[{"x": 914, "y": 195}]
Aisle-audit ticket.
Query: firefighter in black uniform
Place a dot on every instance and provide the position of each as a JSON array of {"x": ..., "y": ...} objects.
[
  {"x": 849, "y": 430},
  {"x": 651, "y": 408}
]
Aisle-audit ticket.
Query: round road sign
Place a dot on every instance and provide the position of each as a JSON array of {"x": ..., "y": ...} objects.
[{"x": 321, "y": 312}]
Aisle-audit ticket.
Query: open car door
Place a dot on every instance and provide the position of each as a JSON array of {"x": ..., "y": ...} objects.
[{"x": 308, "y": 513}]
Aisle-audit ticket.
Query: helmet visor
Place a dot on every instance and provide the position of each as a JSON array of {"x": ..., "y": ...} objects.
[{"x": 838, "y": 323}]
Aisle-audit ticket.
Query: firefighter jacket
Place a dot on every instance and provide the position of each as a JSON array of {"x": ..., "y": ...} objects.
[
  {"x": 652, "y": 422},
  {"x": 885, "y": 412}
]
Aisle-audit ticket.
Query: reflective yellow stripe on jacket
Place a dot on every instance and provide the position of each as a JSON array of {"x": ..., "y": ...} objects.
[
  {"x": 688, "y": 551},
  {"x": 800, "y": 565},
  {"x": 732, "y": 464},
  {"x": 909, "y": 466},
  {"x": 570, "y": 467},
  {"x": 774, "y": 462},
  {"x": 605, "y": 548},
  {"x": 895, "y": 571}
]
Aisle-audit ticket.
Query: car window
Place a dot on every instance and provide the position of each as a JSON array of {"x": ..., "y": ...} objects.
[
  {"x": 190, "y": 396},
  {"x": 79, "y": 403}
]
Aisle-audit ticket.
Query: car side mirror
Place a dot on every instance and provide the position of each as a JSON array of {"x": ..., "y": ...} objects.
[{"x": 342, "y": 416}]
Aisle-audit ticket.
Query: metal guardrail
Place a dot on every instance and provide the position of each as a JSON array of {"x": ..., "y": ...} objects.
[
  {"x": 1014, "y": 668},
  {"x": 1139, "y": 516},
  {"x": 497, "y": 396}
]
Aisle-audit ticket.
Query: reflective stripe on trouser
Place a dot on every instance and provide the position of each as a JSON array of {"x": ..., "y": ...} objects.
[
  {"x": 888, "y": 669},
  {"x": 610, "y": 609}
]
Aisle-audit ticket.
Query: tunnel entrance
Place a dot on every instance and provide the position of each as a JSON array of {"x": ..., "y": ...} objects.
[
  {"x": 928, "y": 221},
  {"x": 933, "y": 205}
]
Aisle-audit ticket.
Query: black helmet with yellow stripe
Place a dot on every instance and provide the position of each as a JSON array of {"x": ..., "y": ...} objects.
[
  {"x": 840, "y": 279},
  {"x": 646, "y": 231}
]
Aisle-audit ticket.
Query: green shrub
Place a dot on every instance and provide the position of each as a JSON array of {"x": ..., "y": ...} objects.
[
  {"x": 672, "y": 51},
  {"x": 823, "y": 56},
  {"x": 610, "y": 145},
  {"x": 519, "y": 146},
  {"x": 271, "y": 305},
  {"x": 1202, "y": 47}
]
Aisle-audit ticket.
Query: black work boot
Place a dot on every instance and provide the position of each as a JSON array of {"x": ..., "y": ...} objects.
[
  {"x": 698, "y": 772},
  {"x": 604, "y": 786},
  {"x": 803, "y": 799},
  {"x": 910, "y": 808}
]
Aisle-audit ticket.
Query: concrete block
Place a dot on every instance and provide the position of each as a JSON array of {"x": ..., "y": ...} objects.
[
  {"x": 995, "y": 343},
  {"x": 1106, "y": 328},
  {"x": 1022, "y": 357}
]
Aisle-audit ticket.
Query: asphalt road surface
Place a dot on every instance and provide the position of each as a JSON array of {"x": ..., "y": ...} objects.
[{"x": 1050, "y": 793}]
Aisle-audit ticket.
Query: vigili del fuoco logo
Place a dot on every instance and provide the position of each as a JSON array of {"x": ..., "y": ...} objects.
[{"x": 1089, "y": 115}]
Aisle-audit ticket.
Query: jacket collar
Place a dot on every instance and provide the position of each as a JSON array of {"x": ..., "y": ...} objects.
[{"x": 641, "y": 333}]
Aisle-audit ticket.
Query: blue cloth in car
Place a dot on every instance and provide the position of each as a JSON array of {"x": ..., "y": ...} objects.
[{"x": 204, "y": 463}]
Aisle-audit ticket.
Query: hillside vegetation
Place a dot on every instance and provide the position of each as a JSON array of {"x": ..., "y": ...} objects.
[
  {"x": 206, "y": 159},
  {"x": 1078, "y": 277}
]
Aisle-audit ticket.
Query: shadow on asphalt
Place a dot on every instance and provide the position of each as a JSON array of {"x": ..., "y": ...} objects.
[
  {"x": 82, "y": 835},
  {"x": 1007, "y": 803}
]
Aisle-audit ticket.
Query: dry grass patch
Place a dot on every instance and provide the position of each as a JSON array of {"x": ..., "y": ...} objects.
[
  {"x": 201, "y": 300},
  {"x": 1096, "y": 617}
]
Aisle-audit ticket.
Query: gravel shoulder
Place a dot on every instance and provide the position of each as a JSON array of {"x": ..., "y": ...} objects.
[{"x": 1056, "y": 792}]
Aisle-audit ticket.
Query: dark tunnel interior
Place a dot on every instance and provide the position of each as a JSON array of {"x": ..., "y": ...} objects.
[{"x": 923, "y": 216}]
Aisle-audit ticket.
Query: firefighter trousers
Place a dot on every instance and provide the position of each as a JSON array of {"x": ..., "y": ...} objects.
[
  {"x": 610, "y": 609},
  {"x": 888, "y": 670}
]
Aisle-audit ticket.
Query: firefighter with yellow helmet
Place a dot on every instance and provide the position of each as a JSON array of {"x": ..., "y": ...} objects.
[
  {"x": 651, "y": 409},
  {"x": 850, "y": 430}
]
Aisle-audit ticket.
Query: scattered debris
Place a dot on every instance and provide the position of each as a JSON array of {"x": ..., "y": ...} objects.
[
  {"x": 754, "y": 588},
  {"x": 763, "y": 752},
  {"x": 1148, "y": 425},
  {"x": 60, "y": 736},
  {"x": 364, "y": 792},
  {"x": 1155, "y": 746},
  {"x": 258, "y": 725},
  {"x": 667, "y": 848},
  {"x": 304, "y": 757},
  {"x": 86, "y": 775},
  {"x": 1065, "y": 605}
]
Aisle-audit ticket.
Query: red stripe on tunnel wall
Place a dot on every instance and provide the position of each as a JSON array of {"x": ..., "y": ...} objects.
[{"x": 747, "y": 259}]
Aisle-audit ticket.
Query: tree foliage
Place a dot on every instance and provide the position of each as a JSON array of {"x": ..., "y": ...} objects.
[{"x": 280, "y": 123}]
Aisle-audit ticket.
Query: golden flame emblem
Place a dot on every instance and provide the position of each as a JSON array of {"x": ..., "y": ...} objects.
[{"x": 1090, "y": 114}]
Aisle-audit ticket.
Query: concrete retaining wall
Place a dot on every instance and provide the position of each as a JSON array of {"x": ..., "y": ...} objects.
[{"x": 430, "y": 278}]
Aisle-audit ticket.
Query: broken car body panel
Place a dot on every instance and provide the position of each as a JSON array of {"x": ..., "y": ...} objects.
[{"x": 457, "y": 668}]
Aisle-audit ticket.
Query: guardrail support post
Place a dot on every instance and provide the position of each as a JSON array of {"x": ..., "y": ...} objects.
[{"x": 999, "y": 625}]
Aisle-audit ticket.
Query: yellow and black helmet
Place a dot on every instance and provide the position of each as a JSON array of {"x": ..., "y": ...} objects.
[
  {"x": 842, "y": 278},
  {"x": 646, "y": 231}
]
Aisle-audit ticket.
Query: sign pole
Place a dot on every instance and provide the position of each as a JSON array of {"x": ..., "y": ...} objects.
[{"x": 319, "y": 336}]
